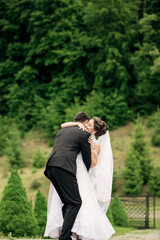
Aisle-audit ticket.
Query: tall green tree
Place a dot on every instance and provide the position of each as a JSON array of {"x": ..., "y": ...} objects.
[
  {"x": 141, "y": 150},
  {"x": 13, "y": 147},
  {"x": 145, "y": 60},
  {"x": 138, "y": 162},
  {"x": 153, "y": 7},
  {"x": 15, "y": 210},
  {"x": 14, "y": 16},
  {"x": 154, "y": 182},
  {"x": 156, "y": 134},
  {"x": 132, "y": 175},
  {"x": 40, "y": 212},
  {"x": 5, "y": 124},
  {"x": 109, "y": 40}
]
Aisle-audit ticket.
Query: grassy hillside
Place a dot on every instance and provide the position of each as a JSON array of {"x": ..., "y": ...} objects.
[{"x": 120, "y": 139}]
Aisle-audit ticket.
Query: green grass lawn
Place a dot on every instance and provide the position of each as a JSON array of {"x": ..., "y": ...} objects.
[
  {"x": 122, "y": 230},
  {"x": 118, "y": 230}
]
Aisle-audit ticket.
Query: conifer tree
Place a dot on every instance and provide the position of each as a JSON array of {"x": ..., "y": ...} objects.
[
  {"x": 154, "y": 182},
  {"x": 109, "y": 215},
  {"x": 15, "y": 209},
  {"x": 38, "y": 159},
  {"x": 156, "y": 134},
  {"x": 141, "y": 152},
  {"x": 40, "y": 212},
  {"x": 132, "y": 175},
  {"x": 114, "y": 184},
  {"x": 13, "y": 147},
  {"x": 118, "y": 212},
  {"x": 154, "y": 123},
  {"x": 138, "y": 162}
]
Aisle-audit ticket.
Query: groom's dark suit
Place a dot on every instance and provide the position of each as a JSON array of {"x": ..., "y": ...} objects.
[{"x": 61, "y": 170}]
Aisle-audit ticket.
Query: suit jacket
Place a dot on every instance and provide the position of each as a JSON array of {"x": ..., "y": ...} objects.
[{"x": 69, "y": 142}]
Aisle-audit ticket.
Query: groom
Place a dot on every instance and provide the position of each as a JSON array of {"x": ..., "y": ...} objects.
[{"x": 61, "y": 169}]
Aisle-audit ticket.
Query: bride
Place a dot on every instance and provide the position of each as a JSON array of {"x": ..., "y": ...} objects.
[{"x": 95, "y": 189}]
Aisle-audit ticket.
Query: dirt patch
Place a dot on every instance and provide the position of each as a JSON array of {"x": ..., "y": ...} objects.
[{"x": 139, "y": 235}]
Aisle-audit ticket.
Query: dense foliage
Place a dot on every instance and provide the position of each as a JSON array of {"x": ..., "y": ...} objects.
[
  {"x": 154, "y": 182},
  {"x": 38, "y": 159},
  {"x": 40, "y": 212},
  {"x": 13, "y": 147},
  {"x": 16, "y": 215},
  {"x": 141, "y": 150},
  {"x": 4, "y": 128},
  {"x": 132, "y": 175},
  {"x": 118, "y": 212},
  {"x": 114, "y": 183},
  {"x": 154, "y": 123},
  {"x": 138, "y": 162},
  {"x": 58, "y": 57},
  {"x": 109, "y": 215}
]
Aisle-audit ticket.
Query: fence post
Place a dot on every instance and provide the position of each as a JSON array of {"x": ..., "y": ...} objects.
[
  {"x": 154, "y": 203},
  {"x": 147, "y": 212}
]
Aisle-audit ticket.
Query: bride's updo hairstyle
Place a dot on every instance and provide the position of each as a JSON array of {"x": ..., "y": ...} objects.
[{"x": 100, "y": 126}]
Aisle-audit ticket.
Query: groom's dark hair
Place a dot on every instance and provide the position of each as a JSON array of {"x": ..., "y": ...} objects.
[{"x": 81, "y": 117}]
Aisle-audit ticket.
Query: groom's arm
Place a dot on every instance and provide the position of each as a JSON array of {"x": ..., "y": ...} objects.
[{"x": 85, "y": 149}]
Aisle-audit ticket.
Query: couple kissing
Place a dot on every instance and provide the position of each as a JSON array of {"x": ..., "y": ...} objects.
[{"x": 80, "y": 169}]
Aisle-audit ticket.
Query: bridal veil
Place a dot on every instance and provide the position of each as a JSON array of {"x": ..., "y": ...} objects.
[{"x": 102, "y": 175}]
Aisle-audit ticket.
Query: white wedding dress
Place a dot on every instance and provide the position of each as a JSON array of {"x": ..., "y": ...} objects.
[{"x": 91, "y": 222}]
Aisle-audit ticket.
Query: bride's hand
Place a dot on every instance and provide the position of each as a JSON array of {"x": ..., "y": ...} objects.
[
  {"x": 90, "y": 140},
  {"x": 80, "y": 125}
]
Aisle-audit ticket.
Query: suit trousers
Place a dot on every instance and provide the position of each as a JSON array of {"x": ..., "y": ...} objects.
[{"x": 66, "y": 186}]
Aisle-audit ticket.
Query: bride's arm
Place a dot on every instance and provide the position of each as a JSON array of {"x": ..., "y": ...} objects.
[
  {"x": 95, "y": 149},
  {"x": 69, "y": 124},
  {"x": 72, "y": 124}
]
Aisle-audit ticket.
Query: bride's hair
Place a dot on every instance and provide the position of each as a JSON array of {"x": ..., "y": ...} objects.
[{"x": 100, "y": 126}]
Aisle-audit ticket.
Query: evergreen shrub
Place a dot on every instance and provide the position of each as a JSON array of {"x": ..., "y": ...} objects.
[
  {"x": 13, "y": 147},
  {"x": 154, "y": 122},
  {"x": 138, "y": 162},
  {"x": 109, "y": 215},
  {"x": 118, "y": 212},
  {"x": 38, "y": 159},
  {"x": 155, "y": 137},
  {"x": 5, "y": 126},
  {"x": 114, "y": 185},
  {"x": 16, "y": 215},
  {"x": 154, "y": 182},
  {"x": 153, "y": 119},
  {"x": 141, "y": 150},
  {"x": 40, "y": 212},
  {"x": 132, "y": 175}
]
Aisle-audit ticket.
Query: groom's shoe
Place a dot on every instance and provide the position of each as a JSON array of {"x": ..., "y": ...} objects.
[{"x": 77, "y": 238}]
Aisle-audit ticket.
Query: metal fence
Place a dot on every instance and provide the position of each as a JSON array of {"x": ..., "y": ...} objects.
[{"x": 140, "y": 210}]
